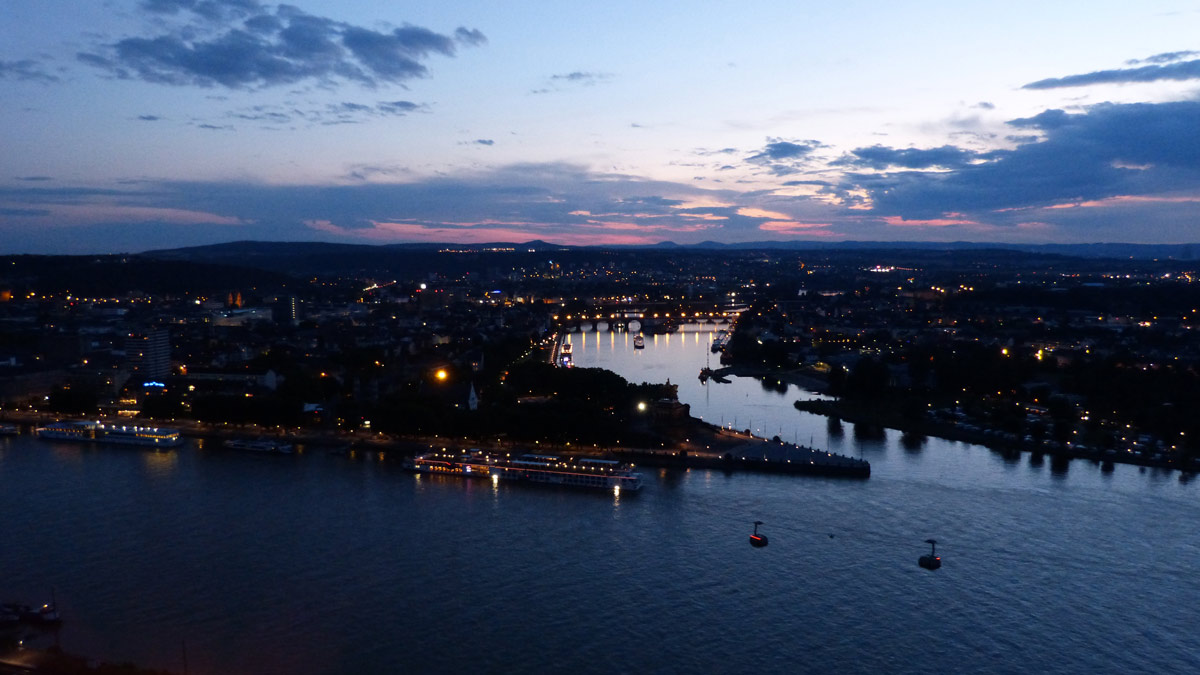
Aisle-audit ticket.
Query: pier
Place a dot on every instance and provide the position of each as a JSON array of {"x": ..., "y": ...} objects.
[{"x": 759, "y": 455}]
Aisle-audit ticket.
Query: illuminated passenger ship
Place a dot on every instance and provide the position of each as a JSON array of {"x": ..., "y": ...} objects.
[
  {"x": 96, "y": 432},
  {"x": 585, "y": 472}
]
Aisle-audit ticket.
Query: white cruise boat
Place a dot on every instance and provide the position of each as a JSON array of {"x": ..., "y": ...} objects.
[
  {"x": 584, "y": 472},
  {"x": 97, "y": 432}
]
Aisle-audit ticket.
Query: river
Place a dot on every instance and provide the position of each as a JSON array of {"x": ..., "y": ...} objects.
[{"x": 319, "y": 563}]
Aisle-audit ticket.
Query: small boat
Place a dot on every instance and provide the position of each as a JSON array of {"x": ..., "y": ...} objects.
[
  {"x": 933, "y": 560},
  {"x": 9, "y": 430},
  {"x": 757, "y": 540},
  {"x": 639, "y": 342},
  {"x": 46, "y": 615}
]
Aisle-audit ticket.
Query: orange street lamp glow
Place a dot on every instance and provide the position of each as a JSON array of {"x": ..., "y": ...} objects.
[{"x": 440, "y": 374}]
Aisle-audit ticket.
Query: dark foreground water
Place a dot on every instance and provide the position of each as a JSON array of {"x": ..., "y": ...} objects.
[{"x": 329, "y": 564}]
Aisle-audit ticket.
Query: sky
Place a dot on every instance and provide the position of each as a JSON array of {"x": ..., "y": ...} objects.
[{"x": 145, "y": 124}]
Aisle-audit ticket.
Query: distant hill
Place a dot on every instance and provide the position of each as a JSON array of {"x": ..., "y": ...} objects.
[
  {"x": 107, "y": 275},
  {"x": 274, "y": 265},
  {"x": 1093, "y": 250},
  {"x": 263, "y": 252},
  {"x": 309, "y": 258}
]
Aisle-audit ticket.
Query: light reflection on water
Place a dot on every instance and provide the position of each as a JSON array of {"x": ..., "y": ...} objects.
[{"x": 160, "y": 464}]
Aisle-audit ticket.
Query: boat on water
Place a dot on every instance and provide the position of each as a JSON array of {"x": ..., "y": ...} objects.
[
  {"x": 46, "y": 615},
  {"x": 98, "y": 432},
  {"x": 564, "y": 355},
  {"x": 9, "y": 430},
  {"x": 720, "y": 342},
  {"x": 639, "y": 342},
  {"x": 586, "y": 472},
  {"x": 259, "y": 445}
]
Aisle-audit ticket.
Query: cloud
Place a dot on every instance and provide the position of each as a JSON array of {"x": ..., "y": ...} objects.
[
  {"x": 796, "y": 227},
  {"x": 558, "y": 202},
  {"x": 782, "y": 157},
  {"x": 1165, "y": 57},
  {"x": 555, "y": 83},
  {"x": 470, "y": 37},
  {"x": 24, "y": 212},
  {"x": 211, "y": 10},
  {"x": 704, "y": 152},
  {"x": 933, "y": 222},
  {"x": 149, "y": 118},
  {"x": 1182, "y": 70},
  {"x": 243, "y": 45},
  {"x": 1108, "y": 150},
  {"x": 484, "y": 141},
  {"x": 26, "y": 70},
  {"x": 346, "y": 112},
  {"x": 785, "y": 150},
  {"x": 395, "y": 56},
  {"x": 580, "y": 77},
  {"x": 880, "y": 157},
  {"x": 34, "y": 179},
  {"x": 399, "y": 107}
]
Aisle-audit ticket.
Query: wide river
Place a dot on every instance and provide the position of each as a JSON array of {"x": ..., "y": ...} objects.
[{"x": 319, "y": 563}]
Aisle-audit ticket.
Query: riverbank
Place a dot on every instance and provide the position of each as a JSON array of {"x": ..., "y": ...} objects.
[
  {"x": 53, "y": 661},
  {"x": 687, "y": 443},
  {"x": 801, "y": 377},
  {"x": 882, "y": 417}
]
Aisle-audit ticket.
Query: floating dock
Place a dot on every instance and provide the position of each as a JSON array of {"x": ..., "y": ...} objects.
[{"x": 760, "y": 456}]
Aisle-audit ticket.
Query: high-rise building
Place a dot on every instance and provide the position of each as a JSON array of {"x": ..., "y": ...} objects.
[
  {"x": 150, "y": 354},
  {"x": 286, "y": 310}
]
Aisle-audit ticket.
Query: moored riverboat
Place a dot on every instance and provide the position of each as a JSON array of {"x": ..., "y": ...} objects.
[
  {"x": 259, "y": 445},
  {"x": 98, "y": 432},
  {"x": 585, "y": 472}
]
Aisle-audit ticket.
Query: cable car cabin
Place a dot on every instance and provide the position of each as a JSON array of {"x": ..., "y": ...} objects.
[
  {"x": 757, "y": 540},
  {"x": 931, "y": 561}
]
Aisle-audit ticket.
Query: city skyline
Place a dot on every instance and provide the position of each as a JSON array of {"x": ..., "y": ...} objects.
[{"x": 140, "y": 125}]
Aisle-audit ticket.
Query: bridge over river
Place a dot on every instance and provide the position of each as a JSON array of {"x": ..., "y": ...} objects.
[{"x": 653, "y": 318}]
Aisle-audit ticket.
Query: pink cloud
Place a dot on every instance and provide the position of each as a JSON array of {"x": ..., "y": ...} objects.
[
  {"x": 1124, "y": 200},
  {"x": 89, "y": 214},
  {"x": 649, "y": 227},
  {"x": 935, "y": 222},
  {"x": 752, "y": 212},
  {"x": 793, "y": 227},
  {"x": 476, "y": 233}
]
